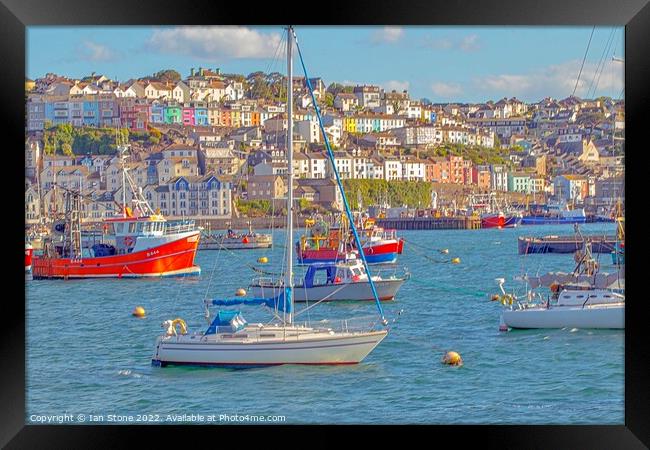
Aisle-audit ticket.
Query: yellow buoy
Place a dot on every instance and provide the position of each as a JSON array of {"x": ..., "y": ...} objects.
[
  {"x": 240, "y": 292},
  {"x": 139, "y": 311},
  {"x": 452, "y": 359},
  {"x": 444, "y": 251},
  {"x": 455, "y": 261},
  {"x": 262, "y": 260}
]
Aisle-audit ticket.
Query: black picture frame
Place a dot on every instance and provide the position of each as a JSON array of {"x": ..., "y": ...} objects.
[{"x": 16, "y": 15}]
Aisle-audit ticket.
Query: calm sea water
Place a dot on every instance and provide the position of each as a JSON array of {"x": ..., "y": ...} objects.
[{"x": 87, "y": 355}]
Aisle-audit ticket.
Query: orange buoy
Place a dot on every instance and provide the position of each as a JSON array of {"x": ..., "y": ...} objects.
[
  {"x": 139, "y": 311},
  {"x": 494, "y": 298},
  {"x": 240, "y": 292},
  {"x": 452, "y": 359}
]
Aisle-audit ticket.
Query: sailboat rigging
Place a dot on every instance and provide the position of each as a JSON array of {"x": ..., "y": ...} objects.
[{"x": 232, "y": 342}]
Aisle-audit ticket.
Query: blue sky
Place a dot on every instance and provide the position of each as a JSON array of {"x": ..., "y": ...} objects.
[{"x": 444, "y": 63}]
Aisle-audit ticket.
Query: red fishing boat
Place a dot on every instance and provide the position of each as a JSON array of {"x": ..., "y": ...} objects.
[
  {"x": 139, "y": 243},
  {"x": 29, "y": 251},
  {"x": 335, "y": 244},
  {"x": 499, "y": 220}
]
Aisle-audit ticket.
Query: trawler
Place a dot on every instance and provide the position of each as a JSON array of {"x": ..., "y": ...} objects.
[{"x": 137, "y": 243}]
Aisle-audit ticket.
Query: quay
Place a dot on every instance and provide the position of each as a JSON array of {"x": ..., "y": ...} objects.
[
  {"x": 430, "y": 223},
  {"x": 565, "y": 244}
]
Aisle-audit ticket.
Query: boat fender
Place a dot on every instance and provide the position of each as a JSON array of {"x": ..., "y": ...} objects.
[
  {"x": 170, "y": 326},
  {"x": 355, "y": 278}
]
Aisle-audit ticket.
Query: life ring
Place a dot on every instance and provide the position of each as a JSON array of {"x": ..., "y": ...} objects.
[
  {"x": 180, "y": 322},
  {"x": 129, "y": 241}
]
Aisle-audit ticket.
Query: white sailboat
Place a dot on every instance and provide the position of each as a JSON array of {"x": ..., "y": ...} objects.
[{"x": 232, "y": 342}]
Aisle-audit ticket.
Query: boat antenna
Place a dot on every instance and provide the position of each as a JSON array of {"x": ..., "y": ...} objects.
[{"x": 348, "y": 213}]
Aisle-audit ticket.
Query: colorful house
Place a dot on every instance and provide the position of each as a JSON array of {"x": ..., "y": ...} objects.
[
  {"x": 201, "y": 116},
  {"x": 188, "y": 116},
  {"x": 91, "y": 113},
  {"x": 157, "y": 113},
  {"x": 173, "y": 114}
]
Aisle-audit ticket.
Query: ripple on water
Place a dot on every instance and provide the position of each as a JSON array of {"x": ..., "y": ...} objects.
[{"x": 86, "y": 352}]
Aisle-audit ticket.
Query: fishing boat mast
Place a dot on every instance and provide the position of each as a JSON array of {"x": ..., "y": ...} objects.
[{"x": 289, "y": 274}]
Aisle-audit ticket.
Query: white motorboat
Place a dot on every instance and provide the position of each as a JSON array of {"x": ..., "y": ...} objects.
[
  {"x": 236, "y": 241},
  {"x": 332, "y": 282},
  {"x": 575, "y": 306},
  {"x": 230, "y": 341}
]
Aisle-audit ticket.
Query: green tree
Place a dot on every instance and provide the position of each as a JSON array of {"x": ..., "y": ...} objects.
[
  {"x": 329, "y": 99},
  {"x": 168, "y": 75},
  {"x": 66, "y": 149}
]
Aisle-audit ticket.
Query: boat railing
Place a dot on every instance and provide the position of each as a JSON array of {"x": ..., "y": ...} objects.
[
  {"x": 267, "y": 281},
  {"x": 350, "y": 325},
  {"x": 181, "y": 227}
]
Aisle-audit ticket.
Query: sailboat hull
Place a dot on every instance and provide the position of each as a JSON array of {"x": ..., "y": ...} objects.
[
  {"x": 254, "y": 351},
  {"x": 606, "y": 317}
]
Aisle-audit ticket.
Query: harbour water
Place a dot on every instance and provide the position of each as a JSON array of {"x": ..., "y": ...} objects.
[{"x": 87, "y": 355}]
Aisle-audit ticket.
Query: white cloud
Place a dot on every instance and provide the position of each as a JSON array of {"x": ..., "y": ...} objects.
[
  {"x": 92, "y": 51},
  {"x": 387, "y": 35},
  {"x": 446, "y": 89},
  {"x": 556, "y": 80},
  {"x": 216, "y": 42},
  {"x": 396, "y": 85}
]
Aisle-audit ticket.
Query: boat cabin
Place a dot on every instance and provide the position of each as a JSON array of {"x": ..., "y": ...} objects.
[
  {"x": 334, "y": 273},
  {"x": 226, "y": 322},
  {"x": 585, "y": 297}
]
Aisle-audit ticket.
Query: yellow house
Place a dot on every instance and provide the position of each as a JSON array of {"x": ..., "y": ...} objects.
[
  {"x": 235, "y": 118},
  {"x": 213, "y": 116},
  {"x": 350, "y": 124},
  {"x": 29, "y": 85}
]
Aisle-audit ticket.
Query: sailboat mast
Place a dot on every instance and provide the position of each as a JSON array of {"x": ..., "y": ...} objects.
[
  {"x": 123, "y": 156},
  {"x": 289, "y": 275}
]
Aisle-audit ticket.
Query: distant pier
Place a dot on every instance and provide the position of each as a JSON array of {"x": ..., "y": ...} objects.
[{"x": 430, "y": 223}]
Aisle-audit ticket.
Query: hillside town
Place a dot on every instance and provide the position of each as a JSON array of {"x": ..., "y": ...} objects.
[{"x": 208, "y": 145}]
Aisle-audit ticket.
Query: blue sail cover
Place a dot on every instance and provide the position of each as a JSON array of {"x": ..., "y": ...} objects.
[
  {"x": 225, "y": 319},
  {"x": 278, "y": 303}
]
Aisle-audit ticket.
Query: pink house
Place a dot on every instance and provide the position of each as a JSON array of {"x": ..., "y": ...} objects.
[{"x": 188, "y": 116}]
